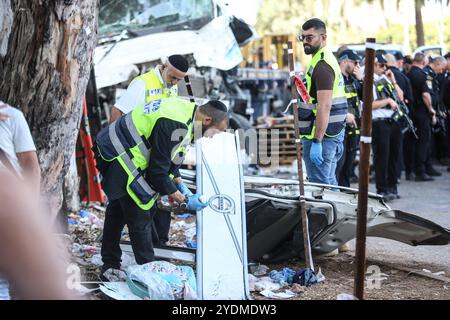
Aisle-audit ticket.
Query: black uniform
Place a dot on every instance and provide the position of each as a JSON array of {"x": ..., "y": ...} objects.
[
  {"x": 123, "y": 210},
  {"x": 438, "y": 145},
  {"x": 416, "y": 151},
  {"x": 404, "y": 84},
  {"x": 386, "y": 134},
  {"x": 345, "y": 168}
]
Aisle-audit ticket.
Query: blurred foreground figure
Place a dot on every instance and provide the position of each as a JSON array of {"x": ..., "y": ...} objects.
[{"x": 29, "y": 255}]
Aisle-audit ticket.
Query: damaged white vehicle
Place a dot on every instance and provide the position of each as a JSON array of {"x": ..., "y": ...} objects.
[{"x": 274, "y": 231}]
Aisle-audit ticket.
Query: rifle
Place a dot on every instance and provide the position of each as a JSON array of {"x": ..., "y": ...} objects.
[
  {"x": 440, "y": 126},
  {"x": 401, "y": 116}
]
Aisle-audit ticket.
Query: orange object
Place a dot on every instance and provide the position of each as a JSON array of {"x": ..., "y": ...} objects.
[{"x": 88, "y": 172}]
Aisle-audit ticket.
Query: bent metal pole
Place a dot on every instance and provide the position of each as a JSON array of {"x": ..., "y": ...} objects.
[
  {"x": 306, "y": 241},
  {"x": 365, "y": 147}
]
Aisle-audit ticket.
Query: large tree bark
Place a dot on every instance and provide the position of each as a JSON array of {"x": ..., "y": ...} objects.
[
  {"x": 44, "y": 71},
  {"x": 419, "y": 23}
]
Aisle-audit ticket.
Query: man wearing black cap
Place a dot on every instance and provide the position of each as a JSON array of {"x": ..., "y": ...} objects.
[
  {"x": 138, "y": 155},
  {"x": 386, "y": 132},
  {"x": 160, "y": 82},
  {"x": 349, "y": 64}
]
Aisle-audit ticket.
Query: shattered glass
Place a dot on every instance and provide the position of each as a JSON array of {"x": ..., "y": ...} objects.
[{"x": 115, "y": 16}]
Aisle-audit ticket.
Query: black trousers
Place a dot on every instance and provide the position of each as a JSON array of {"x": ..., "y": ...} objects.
[
  {"x": 140, "y": 223},
  {"x": 422, "y": 122},
  {"x": 344, "y": 169},
  {"x": 386, "y": 136}
]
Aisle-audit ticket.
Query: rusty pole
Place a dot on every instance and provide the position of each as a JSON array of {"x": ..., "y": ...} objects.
[
  {"x": 365, "y": 147},
  {"x": 306, "y": 241}
]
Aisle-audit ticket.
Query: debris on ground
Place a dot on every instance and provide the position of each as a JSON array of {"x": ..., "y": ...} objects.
[{"x": 396, "y": 283}]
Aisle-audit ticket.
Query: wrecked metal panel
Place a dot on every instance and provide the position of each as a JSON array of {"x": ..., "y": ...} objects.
[{"x": 208, "y": 50}]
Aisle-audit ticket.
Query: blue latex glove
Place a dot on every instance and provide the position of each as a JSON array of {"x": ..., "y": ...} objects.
[
  {"x": 194, "y": 203},
  {"x": 184, "y": 189},
  {"x": 315, "y": 154}
]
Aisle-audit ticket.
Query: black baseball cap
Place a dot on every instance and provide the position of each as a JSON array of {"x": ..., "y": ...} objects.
[
  {"x": 349, "y": 55},
  {"x": 447, "y": 56},
  {"x": 380, "y": 58}
]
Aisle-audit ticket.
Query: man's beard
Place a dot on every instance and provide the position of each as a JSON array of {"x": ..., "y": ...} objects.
[{"x": 309, "y": 49}]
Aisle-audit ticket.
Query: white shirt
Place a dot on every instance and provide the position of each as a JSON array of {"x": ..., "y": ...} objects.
[
  {"x": 381, "y": 112},
  {"x": 135, "y": 93},
  {"x": 15, "y": 135}
]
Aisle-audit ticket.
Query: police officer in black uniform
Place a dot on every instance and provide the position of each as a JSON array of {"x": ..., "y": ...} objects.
[
  {"x": 434, "y": 70},
  {"x": 386, "y": 131},
  {"x": 422, "y": 115},
  {"x": 445, "y": 100},
  {"x": 349, "y": 63}
]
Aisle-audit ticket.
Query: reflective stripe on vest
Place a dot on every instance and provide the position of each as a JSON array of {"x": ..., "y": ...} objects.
[
  {"x": 353, "y": 102},
  {"x": 338, "y": 112},
  {"x": 130, "y": 167},
  {"x": 134, "y": 155}
]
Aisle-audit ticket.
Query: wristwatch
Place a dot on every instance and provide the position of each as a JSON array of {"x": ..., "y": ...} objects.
[{"x": 316, "y": 140}]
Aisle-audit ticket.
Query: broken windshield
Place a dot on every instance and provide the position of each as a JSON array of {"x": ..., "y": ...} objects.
[{"x": 135, "y": 15}]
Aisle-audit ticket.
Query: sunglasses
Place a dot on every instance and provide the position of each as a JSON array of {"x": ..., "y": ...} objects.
[{"x": 308, "y": 38}]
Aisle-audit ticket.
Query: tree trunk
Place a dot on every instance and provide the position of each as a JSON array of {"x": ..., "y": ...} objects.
[
  {"x": 419, "y": 23},
  {"x": 44, "y": 71}
]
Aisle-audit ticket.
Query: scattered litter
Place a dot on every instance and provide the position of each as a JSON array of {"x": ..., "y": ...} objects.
[
  {"x": 71, "y": 221},
  {"x": 161, "y": 280},
  {"x": 265, "y": 283},
  {"x": 185, "y": 216},
  {"x": 280, "y": 295},
  {"x": 96, "y": 260},
  {"x": 320, "y": 276},
  {"x": 297, "y": 288},
  {"x": 305, "y": 277},
  {"x": 118, "y": 291},
  {"x": 251, "y": 282},
  {"x": 345, "y": 296},
  {"x": 440, "y": 273},
  {"x": 259, "y": 270},
  {"x": 127, "y": 260},
  {"x": 179, "y": 224},
  {"x": 190, "y": 231},
  {"x": 91, "y": 217},
  {"x": 191, "y": 244},
  {"x": 284, "y": 277}
]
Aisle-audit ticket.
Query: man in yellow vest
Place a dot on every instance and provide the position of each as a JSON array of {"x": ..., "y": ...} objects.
[
  {"x": 322, "y": 120},
  {"x": 139, "y": 157},
  {"x": 160, "y": 82}
]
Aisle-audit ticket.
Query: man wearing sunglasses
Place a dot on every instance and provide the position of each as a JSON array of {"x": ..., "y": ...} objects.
[{"x": 322, "y": 120}]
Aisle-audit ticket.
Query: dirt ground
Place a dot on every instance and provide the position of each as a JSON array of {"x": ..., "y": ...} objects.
[{"x": 338, "y": 270}]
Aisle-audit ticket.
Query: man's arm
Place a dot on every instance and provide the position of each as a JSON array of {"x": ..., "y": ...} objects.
[
  {"x": 324, "y": 98},
  {"x": 160, "y": 163},
  {"x": 134, "y": 96},
  {"x": 30, "y": 168},
  {"x": 115, "y": 114},
  {"x": 323, "y": 77}
]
